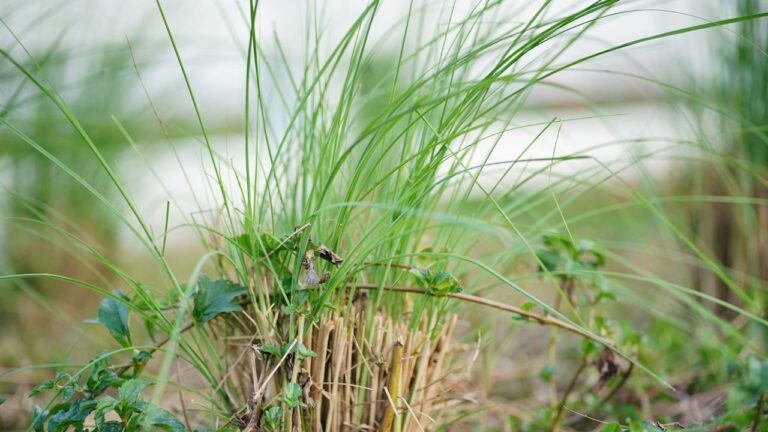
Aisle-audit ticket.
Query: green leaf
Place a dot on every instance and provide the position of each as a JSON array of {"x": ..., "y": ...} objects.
[
  {"x": 152, "y": 416},
  {"x": 272, "y": 417},
  {"x": 130, "y": 391},
  {"x": 611, "y": 427},
  {"x": 39, "y": 417},
  {"x": 550, "y": 260},
  {"x": 251, "y": 246},
  {"x": 63, "y": 382},
  {"x": 102, "y": 377},
  {"x": 426, "y": 261},
  {"x": 274, "y": 350},
  {"x": 443, "y": 283},
  {"x": 111, "y": 426},
  {"x": 70, "y": 415},
  {"x": 104, "y": 405},
  {"x": 292, "y": 390},
  {"x": 67, "y": 392},
  {"x": 113, "y": 314},
  {"x": 139, "y": 361},
  {"x": 547, "y": 372},
  {"x": 303, "y": 352},
  {"x": 298, "y": 348},
  {"x": 292, "y": 395},
  {"x": 2, "y": 400},
  {"x": 214, "y": 298},
  {"x": 133, "y": 423},
  {"x": 45, "y": 385}
]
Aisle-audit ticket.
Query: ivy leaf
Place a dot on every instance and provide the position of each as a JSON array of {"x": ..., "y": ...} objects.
[
  {"x": 213, "y": 298},
  {"x": 113, "y": 314},
  {"x": 152, "y": 416}
]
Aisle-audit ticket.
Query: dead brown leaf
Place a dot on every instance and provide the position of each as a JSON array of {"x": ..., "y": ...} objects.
[{"x": 332, "y": 257}]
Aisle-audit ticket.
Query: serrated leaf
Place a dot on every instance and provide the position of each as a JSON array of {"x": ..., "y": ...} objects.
[
  {"x": 130, "y": 391},
  {"x": 45, "y": 385},
  {"x": 113, "y": 314},
  {"x": 104, "y": 405},
  {"x": 152, "y": 416},
  {"x": 111, "y": 426},
  {"x": 39, "y": 417},
  {"x": 133, "y": 423},
  {"x": 67, "y": 392},
  {"x": 70, "y": 415},
  {"x": 102, "y": 377},
  {"x": 213, "y": 298}
]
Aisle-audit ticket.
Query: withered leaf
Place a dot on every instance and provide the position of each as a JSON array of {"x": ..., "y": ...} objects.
[
  {"x": 311, "y": 278},
  {"x": 325, "y": 253},
  {"x": 606, "y": 366},
  {"x": 308, "y": 260}
]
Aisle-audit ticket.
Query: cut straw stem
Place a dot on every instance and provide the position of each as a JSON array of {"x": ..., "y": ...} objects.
[{"x": 393, "y": 388}]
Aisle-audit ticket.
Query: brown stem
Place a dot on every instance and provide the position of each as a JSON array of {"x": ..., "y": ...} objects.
[
  {"x": 393, "y": 387},
  {"x": 758, "y": 413},
  {"x": 618, "y": 385},
  {"x": 390, "y": 265},
  {"x": 568, "y": 390},
  {"x": 541, "y": 319}
]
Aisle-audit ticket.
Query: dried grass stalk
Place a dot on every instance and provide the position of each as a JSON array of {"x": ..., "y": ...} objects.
[{"x": 363, "y": 366}]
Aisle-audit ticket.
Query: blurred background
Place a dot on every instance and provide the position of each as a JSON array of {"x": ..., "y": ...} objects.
[{"x": 661, "y": 115}]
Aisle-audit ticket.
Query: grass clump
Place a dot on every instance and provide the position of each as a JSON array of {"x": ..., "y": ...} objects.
[{"x": 364, "y": 215}]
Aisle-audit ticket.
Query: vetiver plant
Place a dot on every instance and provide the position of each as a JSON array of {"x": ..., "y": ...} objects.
[{"x": 342, "y": 249}]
